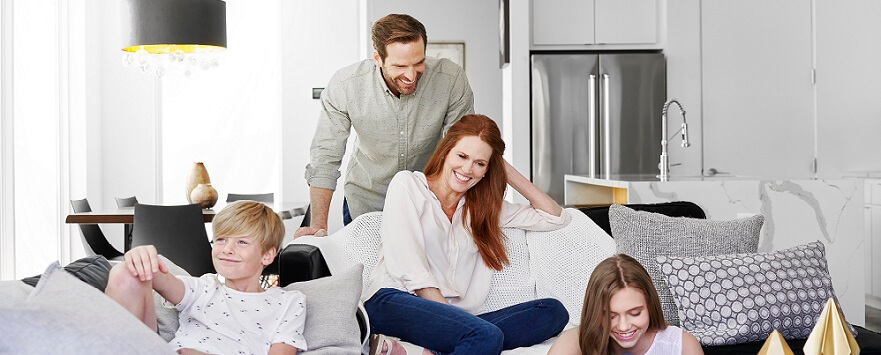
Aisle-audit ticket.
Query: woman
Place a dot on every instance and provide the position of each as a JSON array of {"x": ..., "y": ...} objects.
[
  {"x": 621, "y": 291},
  {"x": 442, "y": 240}
]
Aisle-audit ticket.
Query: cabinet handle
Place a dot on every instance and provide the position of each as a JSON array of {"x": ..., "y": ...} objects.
[
  {"x": 607, "y": 130},
  {"x": 592, "y": 125}
]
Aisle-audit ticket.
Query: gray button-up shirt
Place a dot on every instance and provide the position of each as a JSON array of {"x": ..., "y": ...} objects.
[{"x": 393, "y": 134}]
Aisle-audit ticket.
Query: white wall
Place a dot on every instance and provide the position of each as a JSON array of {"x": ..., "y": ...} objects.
[{"x": 472, "y": 22}]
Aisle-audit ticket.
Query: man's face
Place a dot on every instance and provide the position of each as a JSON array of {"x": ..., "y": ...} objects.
[{"x": 403, "y": 66}]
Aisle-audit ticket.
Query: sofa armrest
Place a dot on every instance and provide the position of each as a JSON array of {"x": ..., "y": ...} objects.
[{"x": 301, "y": 262}]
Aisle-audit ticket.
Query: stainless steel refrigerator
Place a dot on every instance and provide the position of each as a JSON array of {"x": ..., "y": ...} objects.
[{"x": 595, "y": 114}]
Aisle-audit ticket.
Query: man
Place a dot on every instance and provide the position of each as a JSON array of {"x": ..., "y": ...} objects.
[{"x": 400, "y": 104}]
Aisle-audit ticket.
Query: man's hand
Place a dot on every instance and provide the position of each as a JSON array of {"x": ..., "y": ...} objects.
[
  {"x": 143, "y": 262},
  {"x": 318, "y": 232}
]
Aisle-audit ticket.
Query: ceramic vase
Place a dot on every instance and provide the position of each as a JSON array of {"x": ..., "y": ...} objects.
[
  {"x": 204, "y": 195},
  {"x": 197, "y": 176}
]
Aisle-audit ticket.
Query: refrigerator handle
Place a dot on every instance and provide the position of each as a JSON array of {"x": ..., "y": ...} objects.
[
  {"x": 607, "y": 130},
  {"x": 592, "y": 125}
]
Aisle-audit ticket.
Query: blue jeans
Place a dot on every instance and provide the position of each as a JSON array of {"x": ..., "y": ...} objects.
[
  {"x": 347, "y": 218},
  {"x": 448, "y": 330}
]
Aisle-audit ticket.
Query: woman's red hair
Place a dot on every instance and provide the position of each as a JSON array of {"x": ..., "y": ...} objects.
[{"x": 483, "y": 201}]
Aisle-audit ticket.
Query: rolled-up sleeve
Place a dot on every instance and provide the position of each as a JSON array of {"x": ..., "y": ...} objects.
[
  {"x": 329, "y": 142},
  {"x": 526, "y": 217},
  {"x": 403, "y": 240}
]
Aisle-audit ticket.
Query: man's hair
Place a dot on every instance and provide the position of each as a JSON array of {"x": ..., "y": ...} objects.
[
  {"x": 249, "y": 218},
  {"x": 396, "y": 28}
]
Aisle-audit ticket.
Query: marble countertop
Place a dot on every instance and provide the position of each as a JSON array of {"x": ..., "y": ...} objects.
[{"x": 622, "y": 180}]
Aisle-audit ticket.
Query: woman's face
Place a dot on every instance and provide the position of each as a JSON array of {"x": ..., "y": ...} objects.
[
  {"x": 466, "y": 163},
  {"x": 630, "y": 319}
]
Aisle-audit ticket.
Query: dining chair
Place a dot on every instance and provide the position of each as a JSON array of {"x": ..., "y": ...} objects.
[
  {"x": 265, "y": 198},
  {"x": 177, "y": 232},
  {"x": 127, "y": 228},
  {"x": 94, "y": 239}
]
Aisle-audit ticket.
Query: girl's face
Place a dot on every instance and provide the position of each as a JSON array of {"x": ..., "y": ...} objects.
[{"x": 629, "y": 317}]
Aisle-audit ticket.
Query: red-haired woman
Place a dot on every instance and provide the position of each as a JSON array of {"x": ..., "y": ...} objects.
[{"x": 441, "y": 241}]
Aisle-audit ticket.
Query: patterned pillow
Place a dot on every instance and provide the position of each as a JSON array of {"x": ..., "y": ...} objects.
[
  {"x": 741, "y": 298},
  {"x": 646, "y": 235}
]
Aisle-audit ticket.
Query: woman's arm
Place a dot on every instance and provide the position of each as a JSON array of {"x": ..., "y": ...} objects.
[
  {"x": 690, "y": 345},
  {"x": 538, "y": 199},
  {"x": 566, "y": 344}
]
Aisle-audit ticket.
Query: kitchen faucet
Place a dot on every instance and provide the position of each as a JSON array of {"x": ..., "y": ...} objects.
[{"x": 665, "y": 164}]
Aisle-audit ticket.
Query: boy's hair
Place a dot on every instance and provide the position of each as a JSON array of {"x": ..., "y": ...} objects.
[{"x": 252, "y": 219}]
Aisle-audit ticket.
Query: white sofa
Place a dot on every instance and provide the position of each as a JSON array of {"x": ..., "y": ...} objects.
[{"x": 553, "y": 264}]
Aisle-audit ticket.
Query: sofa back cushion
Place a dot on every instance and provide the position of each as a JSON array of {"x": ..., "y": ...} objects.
[
  {"x": 600, "y": 215},
  {"x": 562, "y": 260},
  {"x": 646, "y": 235}
]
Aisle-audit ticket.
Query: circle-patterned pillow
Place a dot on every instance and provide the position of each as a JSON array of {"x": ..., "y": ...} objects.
[{"x": 731, "y": 299}]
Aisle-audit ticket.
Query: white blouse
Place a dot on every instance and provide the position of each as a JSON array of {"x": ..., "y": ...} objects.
[{"x": 421, "y": 248}]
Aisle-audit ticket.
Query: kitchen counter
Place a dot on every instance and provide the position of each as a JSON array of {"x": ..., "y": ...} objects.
[{"x": 796, "y": 210}]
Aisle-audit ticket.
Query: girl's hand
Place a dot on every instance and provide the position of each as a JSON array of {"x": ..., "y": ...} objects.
[{"x": 143, "y": 262}]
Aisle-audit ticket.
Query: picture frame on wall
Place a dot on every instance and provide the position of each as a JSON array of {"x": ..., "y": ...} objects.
[
  {"x": 454, "y": 51},
  {"x": 504, "y": 33}
]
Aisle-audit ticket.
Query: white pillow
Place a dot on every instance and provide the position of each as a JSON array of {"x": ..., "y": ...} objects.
[{"x": 561, "y": 261}]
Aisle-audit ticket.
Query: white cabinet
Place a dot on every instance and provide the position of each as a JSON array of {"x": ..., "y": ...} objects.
[
  {"x": 758, "y": 95},
  {"x": 579, "y": 22},
  {"x": 873, "y": 243}
]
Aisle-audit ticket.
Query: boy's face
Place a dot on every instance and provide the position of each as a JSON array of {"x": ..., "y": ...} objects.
[{"x": 239, "y": 257}]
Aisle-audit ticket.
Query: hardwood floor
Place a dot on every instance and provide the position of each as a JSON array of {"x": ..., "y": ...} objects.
[{"x": 873, "y": 319}]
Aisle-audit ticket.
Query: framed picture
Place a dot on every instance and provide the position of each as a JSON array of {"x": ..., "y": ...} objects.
[
  {"x": 454, "y": 51},
  {"x": 504, "y": 33}
]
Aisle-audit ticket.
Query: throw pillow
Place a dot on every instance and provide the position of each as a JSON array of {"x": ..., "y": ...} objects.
[
  {"x": 331, "y": 303},
  {"x": 167, "y": 317},
  {"x": 732, "y": 299},
  {"x": 512, "y": 284},
  {"x": 63, "y": 315},
  {"x": 646, "y": 235},
  {"x": 561, "y": 261},
  {"x": 92, "y": 270}
]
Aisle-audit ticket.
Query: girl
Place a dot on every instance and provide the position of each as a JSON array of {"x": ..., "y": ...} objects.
[{"x": 622, "y": 315}]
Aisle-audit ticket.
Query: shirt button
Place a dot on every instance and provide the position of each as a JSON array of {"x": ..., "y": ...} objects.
[
  {"x": 402, "y": 132},
  {"x": 402, "y": 154}
]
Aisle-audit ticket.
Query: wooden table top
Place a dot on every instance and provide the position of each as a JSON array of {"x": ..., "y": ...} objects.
[{"x": 126, "y": 215}]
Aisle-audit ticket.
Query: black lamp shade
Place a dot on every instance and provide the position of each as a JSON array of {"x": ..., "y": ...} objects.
[{"x": 165, "y": 26}]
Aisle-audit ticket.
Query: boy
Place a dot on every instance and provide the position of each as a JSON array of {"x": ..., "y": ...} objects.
[{"x": 235, "y": 316}]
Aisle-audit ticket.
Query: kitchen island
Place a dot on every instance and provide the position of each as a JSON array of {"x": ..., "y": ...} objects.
[{"x": 797, "y": 211}]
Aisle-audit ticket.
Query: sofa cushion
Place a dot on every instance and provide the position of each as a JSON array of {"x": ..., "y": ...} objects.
[
  {"x": 731, "y": 299},
  {"x": 63, "y": 315},
  {"x": 600, "y": 215},
  {"x": 646, "y": 235},
  {"x": 331, "y": 304},
  {"x": 562, "y": 260}
]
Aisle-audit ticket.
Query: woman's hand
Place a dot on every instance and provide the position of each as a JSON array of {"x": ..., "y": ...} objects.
[
  {"x": 143, "y": 262},
  {"x": 431, "y": 294},
  {"x": 538, "y": 199}
]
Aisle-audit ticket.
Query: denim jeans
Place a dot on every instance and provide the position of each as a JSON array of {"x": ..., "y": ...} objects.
[
  {"x": 347, "y": 218},
  {"x": 445, "y": 329}
]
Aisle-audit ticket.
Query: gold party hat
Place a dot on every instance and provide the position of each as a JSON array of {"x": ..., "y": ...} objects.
[
  {"x": 831, "y": 335},
  {"x": 775, "y": 345}
]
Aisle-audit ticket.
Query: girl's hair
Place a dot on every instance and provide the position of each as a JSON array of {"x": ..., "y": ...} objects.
[
  {"x": 483, "y": 201},
  {"x": 252, "y": 219},
  {"x": 610, "y": 276}
]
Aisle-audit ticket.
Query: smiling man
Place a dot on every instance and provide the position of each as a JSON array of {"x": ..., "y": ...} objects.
[{"x": 400, "y": 103}]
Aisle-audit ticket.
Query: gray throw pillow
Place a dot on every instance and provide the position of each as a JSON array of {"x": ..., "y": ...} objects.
[
  {"x": 646, "y": 236},
  {"x": 331, "y": 302},
  {"x": 167, "y": 317},
  {"x": 732, "y": 299},
  {"x": 63, "y": 315}
]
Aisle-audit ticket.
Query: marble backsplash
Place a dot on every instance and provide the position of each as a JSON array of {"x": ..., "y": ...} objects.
[{"x": 796, "y": 212}]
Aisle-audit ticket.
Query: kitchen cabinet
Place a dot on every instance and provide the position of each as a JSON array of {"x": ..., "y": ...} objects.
[
  {"x": 873, "y": 242},
  {"x": 758, "y": 94},
  {"x": 579, "y": 22}
]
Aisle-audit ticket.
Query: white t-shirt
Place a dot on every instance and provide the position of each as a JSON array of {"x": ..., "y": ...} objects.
[
  {"x": 219, "y": 320},
  {"x": 422, "y": 248}
]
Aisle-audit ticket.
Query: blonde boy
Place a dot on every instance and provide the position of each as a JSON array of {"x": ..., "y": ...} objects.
[{"x": 234, "y": 316}]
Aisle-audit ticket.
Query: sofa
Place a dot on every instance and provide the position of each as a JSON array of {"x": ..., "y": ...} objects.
[{"x": 543, "y": 264}]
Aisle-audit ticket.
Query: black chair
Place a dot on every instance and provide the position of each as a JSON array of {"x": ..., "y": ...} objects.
[
  {"x": 92, "y": 234},
  {"x": 265, "y": 198},
  {"x": 177, "y": 232},
  {"x": 122, "y": 202},
  {"x": 275, "y": 268}
]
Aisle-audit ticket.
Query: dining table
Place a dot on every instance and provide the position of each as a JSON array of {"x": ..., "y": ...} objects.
[{"x": 126, "y": 215}]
